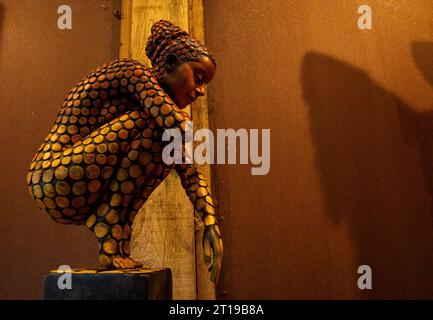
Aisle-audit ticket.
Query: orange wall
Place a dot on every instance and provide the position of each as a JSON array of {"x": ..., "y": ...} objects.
[
  {"x": 38, "y": 65},
  {"x": 351, "y": 147}
]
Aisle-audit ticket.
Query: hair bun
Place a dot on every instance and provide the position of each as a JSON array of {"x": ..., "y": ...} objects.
[
  {"x": 162, "y": 33},
  {"x": 167, "y": 38}
]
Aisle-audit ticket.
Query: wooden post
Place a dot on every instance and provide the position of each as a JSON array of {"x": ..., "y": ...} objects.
[
  {"x": 163, "y": 231},
  {"x": 200, "y": 117}
]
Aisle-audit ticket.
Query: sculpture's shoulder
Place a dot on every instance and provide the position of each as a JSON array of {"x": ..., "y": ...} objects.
[
  {"x": 127, "y": 63},
  {"x": 118, "y": 68}
]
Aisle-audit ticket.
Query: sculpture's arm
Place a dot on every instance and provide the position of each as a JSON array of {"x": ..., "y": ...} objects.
[{"x": 198, "y": 192}]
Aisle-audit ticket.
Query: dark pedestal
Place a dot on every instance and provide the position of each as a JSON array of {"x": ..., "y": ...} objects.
[{"x": 93, "y": 284}]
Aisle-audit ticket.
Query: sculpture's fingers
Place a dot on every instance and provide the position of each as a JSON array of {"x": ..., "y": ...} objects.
[
  {"x": 207, "y": 250},
  {"x": 216, "y": 268},
  {"x": 119, "y": 263},
  {"x": 216, "y": 259}
]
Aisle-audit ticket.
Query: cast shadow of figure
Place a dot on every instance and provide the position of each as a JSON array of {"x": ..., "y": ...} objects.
[
  {"x": 372, "y": 153},
  {"x": 417, "y": 128}
]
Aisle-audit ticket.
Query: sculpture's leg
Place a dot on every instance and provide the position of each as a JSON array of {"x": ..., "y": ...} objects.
[
  {"x": 112, "y": 225},
  {"x": 137, "y": 170},
  {"x": 113, "y": 234},
  {"x": 103, "y": 179}
]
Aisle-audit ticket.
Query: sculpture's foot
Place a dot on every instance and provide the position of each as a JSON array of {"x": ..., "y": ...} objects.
[{"x": 125, "y": 263}]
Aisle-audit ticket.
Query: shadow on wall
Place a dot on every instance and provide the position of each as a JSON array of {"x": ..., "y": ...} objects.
[{"x": 374, "y": 157}]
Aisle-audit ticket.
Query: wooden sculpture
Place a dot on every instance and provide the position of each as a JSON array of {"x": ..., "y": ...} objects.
[{"x": 102, "y": 158}]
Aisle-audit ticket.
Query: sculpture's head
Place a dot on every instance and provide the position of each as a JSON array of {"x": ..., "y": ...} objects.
[{"x": 182, "y": 65}]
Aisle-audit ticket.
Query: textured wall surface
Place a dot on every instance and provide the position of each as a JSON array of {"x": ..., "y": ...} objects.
[
  {"x": 351, "y": 147},
  {"x": 38, "y": 65}
]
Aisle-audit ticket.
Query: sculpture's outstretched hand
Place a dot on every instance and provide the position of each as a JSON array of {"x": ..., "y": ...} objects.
[{"x": 213, "y": 251}]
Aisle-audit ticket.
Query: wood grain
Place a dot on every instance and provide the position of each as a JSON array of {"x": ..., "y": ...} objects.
[
  {"x": 163, "y": 232},
  {"x": 200, "y": 116}
]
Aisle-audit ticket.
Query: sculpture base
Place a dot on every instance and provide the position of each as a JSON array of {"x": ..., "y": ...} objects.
[{"x": 103, "y": 284}]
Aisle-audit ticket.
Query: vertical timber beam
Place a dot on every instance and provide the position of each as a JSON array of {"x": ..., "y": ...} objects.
[
  {"x": 125, "y": 29},
  {"x": 163, "y": 231},
  {"x": 200, "y": 117}
]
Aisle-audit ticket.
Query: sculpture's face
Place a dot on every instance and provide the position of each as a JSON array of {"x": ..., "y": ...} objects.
[{"x": 186, "y": 81}]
